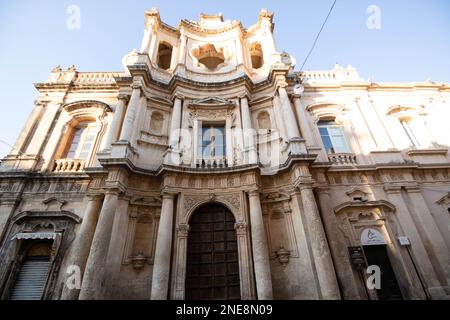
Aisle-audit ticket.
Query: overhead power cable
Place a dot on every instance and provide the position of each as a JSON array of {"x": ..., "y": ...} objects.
[{"x": 318, "y": 35}]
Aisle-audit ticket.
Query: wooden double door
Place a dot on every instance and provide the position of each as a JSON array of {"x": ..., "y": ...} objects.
[{"x": 212, "y": 271}]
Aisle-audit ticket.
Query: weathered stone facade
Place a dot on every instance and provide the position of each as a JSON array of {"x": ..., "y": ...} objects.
[{"x": 110, "y": 168}]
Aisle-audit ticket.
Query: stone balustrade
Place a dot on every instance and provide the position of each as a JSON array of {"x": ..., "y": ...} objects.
[
  {"x": 212, "y": 162},
  {"x": 96, "y": 77},
  {"x": 69, "y": 165},
  {"x": 344, "y": 159},
  {"x": 337, "y": 74}
]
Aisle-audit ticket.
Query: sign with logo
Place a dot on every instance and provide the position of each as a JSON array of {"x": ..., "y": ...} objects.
[{"x": 372, "y": 237}]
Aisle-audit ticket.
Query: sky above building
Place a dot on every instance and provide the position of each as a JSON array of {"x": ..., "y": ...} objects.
[{"x": 384, "y": 40}]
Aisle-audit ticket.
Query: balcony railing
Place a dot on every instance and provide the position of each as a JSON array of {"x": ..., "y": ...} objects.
[
  {"x": 212, "y": 162},
  {"x": 343, "y": 159},
  {"x": 69, "y": 165}
]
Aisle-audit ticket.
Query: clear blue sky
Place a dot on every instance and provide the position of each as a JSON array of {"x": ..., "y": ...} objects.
[{"x": 413, "y": 43}]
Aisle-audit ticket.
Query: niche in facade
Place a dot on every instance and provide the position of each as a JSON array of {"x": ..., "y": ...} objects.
[
  {"x": 264, "y": 121},
  {"x": 156, "y": 122},
  {"x": 164, "y": 56},
  {"x": 209, "y": 56},
  {"x": 256, "y": 53},
  {"x": 143, "y": 236}
]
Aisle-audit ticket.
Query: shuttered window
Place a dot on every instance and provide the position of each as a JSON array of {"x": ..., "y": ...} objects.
[{"x": 32, "y": 278}]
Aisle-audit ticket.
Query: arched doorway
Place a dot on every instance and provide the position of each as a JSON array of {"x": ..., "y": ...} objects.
[{"x": 212, "y": 271}]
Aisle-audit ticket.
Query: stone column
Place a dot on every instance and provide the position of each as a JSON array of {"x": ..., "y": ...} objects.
[
  {"x": 277, "y": 115},
  {"x": 260, "y": 249},
  {"x": 319, "y": 245},
  {"x": 419, "y": 248},
  {"x": 117, "y": 244},
  {"x": 175, "y": 124},
  {"x": 7, "y": 209},
  {"x": 249, "y": 137},
  {"x": 145, "y": 46},
  {"x": 288, "y": 114},
  {"x": 293, "y": 133},
  {"x": 80, "y": 248},
  {"x": 130, "y": 116},
  {"x": 91, "y": 288},
  {"x": 28, "y": 129},
  {"x": 173, "y": 155},
  {"x": 182, "y": 52},
  {"x": 239, "y": 51},
  {"x": 229, "y": 139},
  {"x": 161, "y": 266},
  {"x": 305, "y": 127},
  {"x": 45, "y": 124},
  {"x": 115, "y": 123},
  {"x": 338, "y": 248},
  {"x": 432, "y": 234}
]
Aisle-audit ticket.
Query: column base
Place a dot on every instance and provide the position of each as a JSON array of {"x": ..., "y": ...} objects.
[
  {"x": 172, "y": 157},
  {"x": 119, "y": 150},
  {"x": 297, "y": 146}
]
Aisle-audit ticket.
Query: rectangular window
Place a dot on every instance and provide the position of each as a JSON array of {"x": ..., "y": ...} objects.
[
  {"x": 83, "y": 139},
  {"x": 75, "y": 143},
  {"x": 332, "y": 137},
  {"x": 212, "y": 141}
]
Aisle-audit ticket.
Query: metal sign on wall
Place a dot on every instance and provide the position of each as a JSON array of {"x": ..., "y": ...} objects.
[{"x": 357, "y": 257}]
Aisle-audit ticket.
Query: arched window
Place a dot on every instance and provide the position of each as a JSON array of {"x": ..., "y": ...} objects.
[
  {"x": 156, "y": 122},
  {"x": 264, "y": 121},
  {"x": 81, "y": 141},
  {"x": 32, "y": 277},
  {"x": 164, "y": 56},
  {"x": 332, "y": 137},
  {"x": 256, "y": 53}
]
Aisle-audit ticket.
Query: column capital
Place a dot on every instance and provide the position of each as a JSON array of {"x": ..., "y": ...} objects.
[
  {"x": 254, "y": 193},
  {"x": 178, "y": 96},
  {"x": 183, "y": 229},
  {"x": 243, "y": 96},
  {"x": 112, "y": 191},
  {"x": 282, "y": 85},
  {"x": 168, "y": 195},
  {"x": 95, "y": 196},
  {"x": 123, "y": 97},
  {"x": 303, "y": 183},
  {"x": 240, "y": 227},
  {"x": 136, "y": 85},
  {"x": 322, "y": 189},
  {"x": 392, "y": 189}
]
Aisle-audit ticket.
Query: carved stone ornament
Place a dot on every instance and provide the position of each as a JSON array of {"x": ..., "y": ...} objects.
[
  {"x": 139, "y": 261},
  {"x": 283, "y": 256},
  {"x": 240, "y": 227}
]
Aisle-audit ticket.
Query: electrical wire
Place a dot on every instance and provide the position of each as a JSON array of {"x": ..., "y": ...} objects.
[{"x": 318, "y": 35}]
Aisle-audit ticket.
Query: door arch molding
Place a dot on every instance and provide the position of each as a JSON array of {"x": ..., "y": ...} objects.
[{"x": 188, "y": 204}]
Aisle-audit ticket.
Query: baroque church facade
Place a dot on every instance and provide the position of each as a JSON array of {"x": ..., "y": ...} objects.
[{"x": 208, "y": 168}]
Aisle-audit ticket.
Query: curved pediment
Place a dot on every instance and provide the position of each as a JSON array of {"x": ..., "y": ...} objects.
[{"x": 86, "y": 104}]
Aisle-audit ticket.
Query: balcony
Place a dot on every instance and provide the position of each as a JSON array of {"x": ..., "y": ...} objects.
[
  {"x": 342, "y": 159},
  {"x": 69, "y": 165},
  {"x": 212, "y": 162}
]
